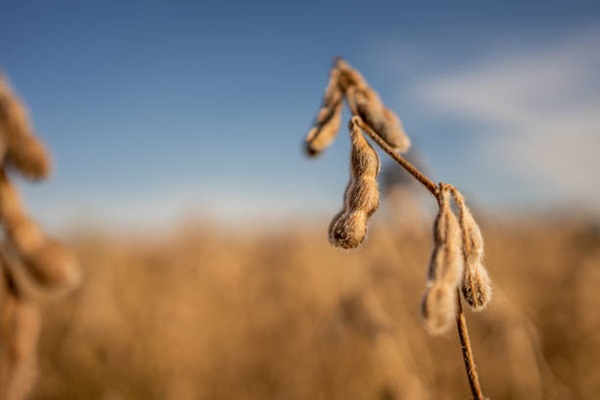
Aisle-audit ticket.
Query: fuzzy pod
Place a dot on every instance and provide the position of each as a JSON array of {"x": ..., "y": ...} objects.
[
  {"x": 329, "y": 118},
  {"x": 476, "y": 286},
  {"x": 447, "y": 262},
  {"x": 364, "y": 161},
  {"x": 363, "y": 195},
  {"x": 393, "y": 130},
  {"x": 446, "y": 267},
  {"x": 349, "y": 77},
  {"x": 22, "y": 149},
  {"x": 361, "y": 198},
  {"x": 382, "y": 120},
  {"x": 326, "y": 128},
  {"x": 349, "y": 227},
  {"x": 349, "y": 230}
]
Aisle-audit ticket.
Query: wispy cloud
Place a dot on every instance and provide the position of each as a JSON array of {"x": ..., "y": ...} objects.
[{"x": 539, "y": 111}]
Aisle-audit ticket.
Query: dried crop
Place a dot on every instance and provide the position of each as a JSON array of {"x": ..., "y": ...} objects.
[
  {"x": 456, "y": 263},
  {"x": 32, "y": 264}
]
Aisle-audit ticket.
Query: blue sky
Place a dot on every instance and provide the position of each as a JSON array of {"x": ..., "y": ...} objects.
[{"x": 157, "y": 109}]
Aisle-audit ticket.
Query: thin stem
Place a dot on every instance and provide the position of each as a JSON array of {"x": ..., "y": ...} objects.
[
  {"x": 411, "y": 169},
  {"x": 467, "y": 351},
  {"x": 461, "y": 323}
]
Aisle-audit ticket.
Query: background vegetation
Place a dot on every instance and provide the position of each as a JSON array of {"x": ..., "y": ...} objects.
[{"x": 211, "y": 312}]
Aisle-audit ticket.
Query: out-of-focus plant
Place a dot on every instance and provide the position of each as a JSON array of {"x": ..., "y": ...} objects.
[{"x": 32, "y": 265}]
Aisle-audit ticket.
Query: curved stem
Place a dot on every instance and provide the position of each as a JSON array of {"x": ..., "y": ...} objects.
[
  {"x": 461, "y": 323},
  {"x": 467, "y": 351}
]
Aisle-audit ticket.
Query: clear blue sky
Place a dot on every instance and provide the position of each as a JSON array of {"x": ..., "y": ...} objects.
[{"x": 152, "y": 109}]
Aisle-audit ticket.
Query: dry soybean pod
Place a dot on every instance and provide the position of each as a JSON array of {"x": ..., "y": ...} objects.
[
  {"x": 476, "y": 286},
  {"x": 361, "y": 199},
  {"x": 445, "y": 269},
  {"x": 329, "y": 118}
]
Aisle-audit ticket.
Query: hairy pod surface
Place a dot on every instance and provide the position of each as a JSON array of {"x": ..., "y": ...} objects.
[
  {"x": 326, "y": 128},
  {"x": 446, "y": 266},
  {"x": 350, "y": 230},
  {"x": 349, "y": 76},
  {"x": 476, "y": 286},
  {"x": 447, "y": 262},
  {"x": 382, "y": 120},
  {"x": 364, "y": 161},
  {"x": 361, "y": 198},
  {"x": 393, "y": 130},
  {"x": 329, "y": 118}
]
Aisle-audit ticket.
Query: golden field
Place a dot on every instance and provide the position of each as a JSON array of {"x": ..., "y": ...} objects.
[{"x": 207, "y": 311}]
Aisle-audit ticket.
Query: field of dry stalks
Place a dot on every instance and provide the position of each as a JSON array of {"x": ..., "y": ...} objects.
[{"x": 206, "y": 312}]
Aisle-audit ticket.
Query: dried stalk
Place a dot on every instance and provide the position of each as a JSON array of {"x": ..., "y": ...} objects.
[
  {"x": 461, "y": 322},
  {"x": 467, "y": 351}
]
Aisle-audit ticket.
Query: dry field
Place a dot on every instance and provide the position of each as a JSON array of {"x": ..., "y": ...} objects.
[{"x": 208, "y": 312}]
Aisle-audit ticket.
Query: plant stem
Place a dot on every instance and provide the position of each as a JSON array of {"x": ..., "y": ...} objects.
[
  {"x": 467, "y": 351},
  {"x": 425, "y": 181},
  {"x": 461, "y": 322}
]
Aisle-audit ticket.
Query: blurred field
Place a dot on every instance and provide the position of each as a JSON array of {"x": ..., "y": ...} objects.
[{"x": 207, "y": 312}]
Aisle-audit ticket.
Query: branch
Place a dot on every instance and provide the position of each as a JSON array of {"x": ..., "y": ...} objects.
[{"x": 467, "y": 351}]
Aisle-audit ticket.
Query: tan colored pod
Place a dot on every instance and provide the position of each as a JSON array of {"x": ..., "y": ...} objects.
[
  {"x": 349, "y": 77},
  {"x": 445, "y": 270},
  {"x": 447, "y": 263},
  {"x": 22, "y": 149},
  {"x": 364, "y": 161},
  {"x": 329, "y": 118},
  {"x": 382, "y": 120},
  {"x": 476, "y": 286},
  {"x": 349, "y": 230},
  {"x": 325, "y": 130},
  {"x": 361, "y": 198}
]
